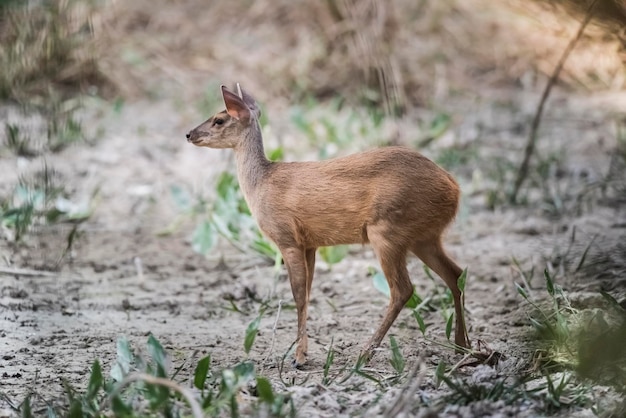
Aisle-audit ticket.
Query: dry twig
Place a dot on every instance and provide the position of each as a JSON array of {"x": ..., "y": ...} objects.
[{"x": 532, "y": 137}]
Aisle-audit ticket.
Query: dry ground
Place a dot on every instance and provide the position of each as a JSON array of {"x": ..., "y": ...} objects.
[{"x": 122, "y": 278}]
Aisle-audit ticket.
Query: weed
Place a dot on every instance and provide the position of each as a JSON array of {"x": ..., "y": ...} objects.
[
  {"x": 333, "y": 255},
  {"x": 228, "y": 217},
  {"x": 330, "y": 358},
  {"x": 39, "y": 200},
  {"x": 589, "y": 341},
  {"x": 64, "y": 129},
  {"x": 17, "y": 141},
  {"x": 434, "y": 129},
  {"x": 397, "y": 359},
  {"x": 552, "y": 395},
  {"x": 330, "y": 128},
  {"x": 251, "y": 333},
  {"x": 452, "y": 158},
  {"x": 140, "y": 386}
]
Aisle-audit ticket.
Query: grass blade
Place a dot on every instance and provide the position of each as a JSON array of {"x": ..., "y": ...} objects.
[
  {"x": 549, "y": 282},
  {"x": 95, "y": 380},
  {"x": 397, "y": 360},
  {"x": 264, "y": 390},
  {"x": 461, "y": 280},
  {"x": 521, "y": 291},
  {"x": 251, "y": 333},
  {"x": 449, "y": 326},
  {"x": 584, "y": 256},
  {"x": 440, "y": 372},
  {"x": 157, "y": 352},
  {"x": 201, "y": 372},
  {"x": 420, "y": 321}
]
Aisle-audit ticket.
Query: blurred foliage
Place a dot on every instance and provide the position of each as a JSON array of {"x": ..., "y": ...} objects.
[{"x": 45, "y": 49}]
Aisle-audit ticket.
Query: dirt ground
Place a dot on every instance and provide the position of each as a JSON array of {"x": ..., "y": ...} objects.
[{"x": 123, "y": 278}]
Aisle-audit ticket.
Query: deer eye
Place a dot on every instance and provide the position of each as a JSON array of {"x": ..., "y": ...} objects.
[{"x": 218, "y": 122}]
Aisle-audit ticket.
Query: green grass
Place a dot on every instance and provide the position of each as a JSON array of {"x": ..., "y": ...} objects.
[{"x": 39, "y": 200}]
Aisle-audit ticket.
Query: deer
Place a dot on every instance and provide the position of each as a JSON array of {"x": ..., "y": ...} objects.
[{"x": 391, "y": 197}]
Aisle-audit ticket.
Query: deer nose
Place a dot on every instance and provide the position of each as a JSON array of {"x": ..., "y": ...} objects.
[{"x": 188, "y": 136}]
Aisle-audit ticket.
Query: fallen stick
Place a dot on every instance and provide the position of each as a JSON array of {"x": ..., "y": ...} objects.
[{"x": 14, "y": 271}]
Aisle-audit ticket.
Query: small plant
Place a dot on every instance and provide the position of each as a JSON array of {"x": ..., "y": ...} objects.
[
  {"x": 251, "y": 333},
  {"x": 333, "y": 255},
  {"x": 64, "y": 129},
  {"x": 589, "y": 341},
  {"x": 381, "y": 284},
  {"x": 140, "y": 386},
  {"x": 228, "y": 217},
  {"x": 330, "y": 357},
  {"x": 17, "y": 141},
  {"x": 551, "y": 395},
  {"x": 397, "y": 359},
  {"x": 330, "y": 128},
  {"x": 39, "y": 200}
]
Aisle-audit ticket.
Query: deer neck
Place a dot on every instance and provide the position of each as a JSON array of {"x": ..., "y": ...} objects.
[{"x": 252, "y": 164}]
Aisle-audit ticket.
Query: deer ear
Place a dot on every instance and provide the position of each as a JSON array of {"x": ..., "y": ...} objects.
[
  {"x": 235, "y": 106},
  {"x": 249, "y": 101}
]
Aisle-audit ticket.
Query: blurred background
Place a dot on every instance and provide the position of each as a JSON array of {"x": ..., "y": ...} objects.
[{"x": 96, "y": 97}]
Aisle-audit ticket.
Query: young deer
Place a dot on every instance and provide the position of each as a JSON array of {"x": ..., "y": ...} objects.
[{"x": 394, "y": 198}]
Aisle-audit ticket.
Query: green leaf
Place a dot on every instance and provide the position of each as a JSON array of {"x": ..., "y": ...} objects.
[
  {"x": 226, "y": 185},
  {"x": 76, "y": 409},
  {"x": 95, "y": 380},
  {"x": 125, "y": 358},
  {"x": 521, "y": 291},
  {"x": 203, "y": 238},
  {"x": 201, "y": 373},
  {"x": 264, "y": 390},
  {"x": 440, "y": 373},
  {"x": 380, "y": 283},
  {"x": 461, "y": 280},
  {"x": 244, "y": 372},
  {"x": 397, "y": 360},
  {"x": 181, "y": 198},
  {"x": 276, "y": 154},
  {"x": 330, "y": 358},
  {"x": 439, "y": 125},
  {"x": 449, "y": 326},
  {"x": 50, "y": 412},
  {"x": 549, "y": 282},
  {"x": 420, "y": 321},
  {"x": 26, "y": 409},
  {"x": 429, "y": 273},
  {"x": 414, "y": 301},
  {"x": 251, "y": 332},
  {"x": 158, "y": 354},
  {"x": 333, "y": 255},
  {"x": 120, "y": 409}
]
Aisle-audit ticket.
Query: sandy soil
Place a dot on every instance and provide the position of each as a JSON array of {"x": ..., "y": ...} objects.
[
  {"x": 122, "y": 279},
  {"x": 482, "y": 65}
]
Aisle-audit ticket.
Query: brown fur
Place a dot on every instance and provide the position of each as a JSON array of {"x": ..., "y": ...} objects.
[{"x": 392, "y": 197}]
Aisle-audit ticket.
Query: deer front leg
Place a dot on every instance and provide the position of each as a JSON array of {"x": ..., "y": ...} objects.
[{"x": 295, "y": 260}]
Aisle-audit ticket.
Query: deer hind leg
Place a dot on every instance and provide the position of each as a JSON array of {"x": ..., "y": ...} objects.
[
  {"x": 310, "y": 270},
  {"x": 295, "y": 260},
  {"x": 434, "y": 256},
  {"x": 393, "y": 262}
]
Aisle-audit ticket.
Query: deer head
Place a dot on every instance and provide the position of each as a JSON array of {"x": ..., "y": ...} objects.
[{"x": 228, "y": 127}]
